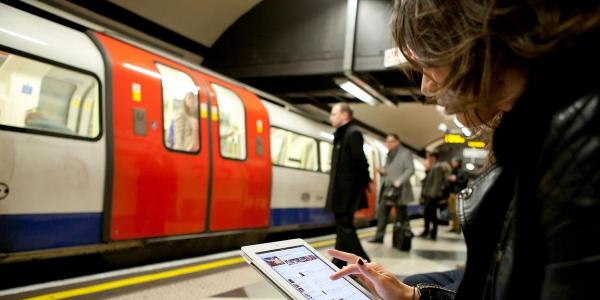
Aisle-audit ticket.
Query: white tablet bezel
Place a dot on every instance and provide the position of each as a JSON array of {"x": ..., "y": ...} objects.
[{"x": 250, "y": 254}]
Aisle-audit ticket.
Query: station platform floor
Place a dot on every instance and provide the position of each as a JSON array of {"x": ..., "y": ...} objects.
[{"x": 227, "y": 276}]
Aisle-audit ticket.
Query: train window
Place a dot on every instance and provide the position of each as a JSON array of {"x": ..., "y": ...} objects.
[
  {"x": 289, "y": 149},
  {"x": 48, "y": 99},
  {"x": 232, "y": 123},
  {"x": 181, "y": 125},
  {"x": 326, "y": 149},
  {"x": 278, "y": 145}
]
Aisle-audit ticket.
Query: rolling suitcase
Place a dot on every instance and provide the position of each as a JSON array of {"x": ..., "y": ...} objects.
[{"x": 402, "y": 236}]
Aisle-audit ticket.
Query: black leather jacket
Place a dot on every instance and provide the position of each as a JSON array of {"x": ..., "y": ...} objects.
[{"x": 541, "y": 242}]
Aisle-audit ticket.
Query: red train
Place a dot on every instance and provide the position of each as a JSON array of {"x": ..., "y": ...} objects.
[{"x": 108, "y": 144}]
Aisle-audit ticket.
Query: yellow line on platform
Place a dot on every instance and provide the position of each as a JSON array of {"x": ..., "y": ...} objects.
[
  {"x": 164, "y": 275},
  {"x": 140, "y": 279}
]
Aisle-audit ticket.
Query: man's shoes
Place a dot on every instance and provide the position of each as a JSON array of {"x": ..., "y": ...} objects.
[
  {"x": 424, "y": 234},
  {"x": 376, "y": 241}
]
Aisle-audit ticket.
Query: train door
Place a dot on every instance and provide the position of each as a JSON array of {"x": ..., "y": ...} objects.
[
  {"x": 52, "y": 147},
  {"x": 161, "y": 162},
  {"x": 241, "y": 159}
]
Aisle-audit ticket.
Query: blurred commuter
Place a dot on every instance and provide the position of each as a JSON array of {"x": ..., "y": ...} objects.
[
  {"x": 514, "y": 69},
  {"x": 457, "y": 181},
  {"x": 396, "y": 190},
  {"x": 432, "y": 193},
  {"x": 185, "y": 126},
  {"x": 348, "y": 180}
]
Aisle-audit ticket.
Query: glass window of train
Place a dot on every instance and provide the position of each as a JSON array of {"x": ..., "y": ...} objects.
[
  {"x": 325, "y": 149},
  {"x": 289, "y": 149},
  {"x": 181, "y": 124},
  {"x": 46, "y": 98},
  {"x": 278, "y": 145},
  {"x": 302, "y": 152},
  {"x": 89, "y": 123},
  {"x": 232, "y": 123}
]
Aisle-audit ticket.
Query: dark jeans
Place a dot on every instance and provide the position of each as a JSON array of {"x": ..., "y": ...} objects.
[
  {"x": 430, "y": 216},
  {"x": 346, "y": 238},
  {"x": 448, "y": 279},
  {"x": 383, "y": 215}
]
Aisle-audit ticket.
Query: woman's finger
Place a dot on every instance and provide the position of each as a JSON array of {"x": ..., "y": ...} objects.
[
  {"x": 367, "y": 271},
  {"x": 345, "y": 256},
  {"x": 348, "y": 270}
]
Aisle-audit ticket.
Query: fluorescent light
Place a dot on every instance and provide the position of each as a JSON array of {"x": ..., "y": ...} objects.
[
  {"x": 466, "y": 131},
  {"x": 470, "y": 166},
  {"x": 458, "y": 123},
  {"x": 443, "y": 127},
  {"x": 142, "y": 70},
  {"x": 328, "y": 136},
  {"x": 357, "y": 92},
  {"x": 24, "y": 37}
]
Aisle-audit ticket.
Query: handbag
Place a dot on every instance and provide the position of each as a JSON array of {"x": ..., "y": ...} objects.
[
  {"x": 391, "y": 195},
  {"x": 402, "y": 236}
]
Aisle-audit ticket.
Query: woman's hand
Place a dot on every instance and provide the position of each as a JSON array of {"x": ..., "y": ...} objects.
[{"x": 379, "y": 280}]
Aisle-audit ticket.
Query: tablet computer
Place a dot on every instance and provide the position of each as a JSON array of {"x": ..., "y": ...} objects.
[{"x": 298, "y": 271}]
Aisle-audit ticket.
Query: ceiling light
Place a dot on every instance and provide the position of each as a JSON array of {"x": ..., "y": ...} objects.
[
  {"x": 357, "y": 92},
  {"x": 458, "y": 123},
  {"x": 466, "y": 131},
  {"x": 470, "y": 166},
  {"x": 442, "y": 127}
]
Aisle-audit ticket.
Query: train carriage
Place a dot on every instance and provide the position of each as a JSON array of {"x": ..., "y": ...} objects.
[{"x": 104, "y": 142}]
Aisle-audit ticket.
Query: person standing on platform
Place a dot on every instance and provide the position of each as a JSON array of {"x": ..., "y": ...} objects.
[
  {"x": 432, "y": 193},
  {"x": 457, "y": 181},
  {"x": 348, "y": 180},
  {"x": 396, "y": 184}
]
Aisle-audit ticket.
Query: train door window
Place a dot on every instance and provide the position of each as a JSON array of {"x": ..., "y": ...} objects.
[
  {"x": 232, "y": 123},
  {"x": 46, "y": 98},
  {"x": 325, "y": 149},
  {"x": 293, "y": 150},
  {"x": 181, "y": 125}
]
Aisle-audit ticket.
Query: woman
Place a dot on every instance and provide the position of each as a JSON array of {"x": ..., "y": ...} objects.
[
  {"x": 515, "y": 67},
  {"x": 186, "y": 125}
]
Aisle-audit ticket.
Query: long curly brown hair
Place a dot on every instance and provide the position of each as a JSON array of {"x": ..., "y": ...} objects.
[{"x": 480, "y": 39}]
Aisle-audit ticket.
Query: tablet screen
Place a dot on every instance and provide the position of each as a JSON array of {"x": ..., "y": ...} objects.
[{"x": 308, "y": 274}]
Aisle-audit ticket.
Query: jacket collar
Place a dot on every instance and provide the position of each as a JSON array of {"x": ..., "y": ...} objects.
[{"x": 340, "y": 131}]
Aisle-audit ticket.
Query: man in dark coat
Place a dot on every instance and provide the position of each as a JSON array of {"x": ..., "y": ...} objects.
[{"x": 348, "y": 179}]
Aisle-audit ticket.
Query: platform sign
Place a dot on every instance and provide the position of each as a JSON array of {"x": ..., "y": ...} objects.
[
  {"x": 475, "y": 153},
  {"x": 453, "y": 139}
]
